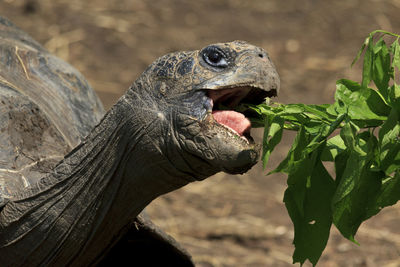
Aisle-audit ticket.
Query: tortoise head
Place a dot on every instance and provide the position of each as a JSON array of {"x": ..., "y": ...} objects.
[{"x": 190, "y": 87}]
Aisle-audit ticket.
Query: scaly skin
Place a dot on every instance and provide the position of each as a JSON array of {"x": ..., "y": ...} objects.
[{"x": 157, "y": 138}]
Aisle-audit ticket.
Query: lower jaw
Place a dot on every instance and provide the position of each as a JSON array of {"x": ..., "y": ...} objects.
[{"x": 245, "y": 161}]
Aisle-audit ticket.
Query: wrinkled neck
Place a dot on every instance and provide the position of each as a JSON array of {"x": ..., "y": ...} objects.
[{"x": 80, "y": 210}]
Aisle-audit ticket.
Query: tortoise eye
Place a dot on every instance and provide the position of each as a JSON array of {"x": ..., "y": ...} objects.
[{"x": 214, "y": 57}]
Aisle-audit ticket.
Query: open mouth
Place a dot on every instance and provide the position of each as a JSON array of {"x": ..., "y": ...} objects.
[{"x": 224, "y": 101}]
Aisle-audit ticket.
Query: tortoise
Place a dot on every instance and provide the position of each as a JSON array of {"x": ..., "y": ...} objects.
[{"x": 75, "y": 179}]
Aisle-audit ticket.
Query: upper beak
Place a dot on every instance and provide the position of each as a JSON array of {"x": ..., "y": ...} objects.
[{"x": 252, "y": 71}]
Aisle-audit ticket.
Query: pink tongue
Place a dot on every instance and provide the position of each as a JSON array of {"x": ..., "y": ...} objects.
[{"x": 233, "y": 120}]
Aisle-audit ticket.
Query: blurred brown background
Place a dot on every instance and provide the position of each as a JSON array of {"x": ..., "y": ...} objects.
[{"x": 226, "y": 220}]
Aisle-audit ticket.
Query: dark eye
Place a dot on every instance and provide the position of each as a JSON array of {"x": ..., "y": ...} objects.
[{"x": 214, "y": 57}]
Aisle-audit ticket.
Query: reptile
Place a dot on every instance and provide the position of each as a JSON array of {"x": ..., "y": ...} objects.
[{"x": 75, "y": 179}]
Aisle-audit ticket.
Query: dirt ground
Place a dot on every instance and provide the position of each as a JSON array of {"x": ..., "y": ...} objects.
[{"x": 226, "y": 220}]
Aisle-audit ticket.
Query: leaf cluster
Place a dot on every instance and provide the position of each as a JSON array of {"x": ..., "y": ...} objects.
[{"x": 359, "y": 133}]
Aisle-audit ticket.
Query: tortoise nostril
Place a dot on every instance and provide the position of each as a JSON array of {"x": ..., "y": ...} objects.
[{"x": 261, "y": 55}]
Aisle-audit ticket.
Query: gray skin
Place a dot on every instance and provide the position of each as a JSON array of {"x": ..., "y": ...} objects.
[{"x": 73, "y": 182}]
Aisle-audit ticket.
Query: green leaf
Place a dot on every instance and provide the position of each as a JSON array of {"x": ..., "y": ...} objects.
[
  {"x": 395, "y": 49},
  {"x": 295, "y": 153},
  {"x": 394, "y": 93},
  {"x": 340, "y": 166},
  {"x": 334, "y": 147},
  {"x": 272, "y": 136},
  {"x": 359, "y": 184},
  {"x": 368, "y": 63},
  {"x": 389, "y": 143},
  {"x": 360, "y": 51},
  {"x": 388, "y": 195},
  {"x": 382, "y": 71},
  {"x": 390, "y": 191},
  {"x": 307, "y": 200},
  {"x": 363, "y": 104}
]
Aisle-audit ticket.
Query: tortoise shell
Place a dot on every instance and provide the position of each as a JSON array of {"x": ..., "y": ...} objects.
[{"x": 46, "y": 108}]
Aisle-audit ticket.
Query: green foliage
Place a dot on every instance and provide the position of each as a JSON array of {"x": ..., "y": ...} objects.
[{"x": 359, "y": 133}]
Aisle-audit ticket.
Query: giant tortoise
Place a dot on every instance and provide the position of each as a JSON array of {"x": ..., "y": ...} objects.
[{"x": 74, "y": 179}]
